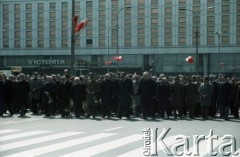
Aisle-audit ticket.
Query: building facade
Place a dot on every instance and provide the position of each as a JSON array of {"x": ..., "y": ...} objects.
[{"x": 151, "y": 34}]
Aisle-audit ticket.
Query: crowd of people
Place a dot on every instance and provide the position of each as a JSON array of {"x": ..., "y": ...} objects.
[{"x": 119, "y": 95}]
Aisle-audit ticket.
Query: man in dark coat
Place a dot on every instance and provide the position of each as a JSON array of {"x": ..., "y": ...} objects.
[
  {"x": 8, "y": 95},
  {"x": 125, "y": 91},
  {"x": 1, "y": 96},
  {"x": 107, "y": 89},
  {"x": 147, "y": 92},
  {"x": 64, "y": 96},
  {"x": 23, "y": 90},
  {"x": 213, "y": 107},
  {"x": 35, "y": 87},
  {"x": 164, "y": 97},
  {"x": 50, "y": 90},
  {"x": 78, "y": 96},
  {"x": 224, "y": 97}
]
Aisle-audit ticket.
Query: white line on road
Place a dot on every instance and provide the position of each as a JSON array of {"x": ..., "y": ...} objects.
[
  {"x": 25, "y": 134},
  {"x": 21, "y": 121},
  {"x": 113, "y": 129},
  {"x": 60, "y": 145},
  {"x": 7, "y": 131},
  {"x": 23, "y": 143},
  {"x": 105, "y": 146}
]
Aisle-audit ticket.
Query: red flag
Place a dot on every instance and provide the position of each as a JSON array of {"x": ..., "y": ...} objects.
[
  {"x": 81, "y": 25},
  {"x": 75, "y": 21},
  {"x": 118, "y": 58}
]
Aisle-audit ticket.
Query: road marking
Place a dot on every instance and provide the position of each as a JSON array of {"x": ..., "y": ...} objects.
[
  {"x": 105, "y": 146},
  {"x": 23, "y": 143},
  {"x": 139, "y": 151},
  {"x": 21, "y": 121},
  {"x": 19, "y": 135},
  {"x": 61, "y": 145},
  {"x": 7, "y": 131},
  {"x": 113, "y": 129}
]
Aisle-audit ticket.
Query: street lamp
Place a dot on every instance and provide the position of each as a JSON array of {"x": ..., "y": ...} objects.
[
  {"x": 219, "y": 44},
  {"x": 126, "y": 7},
  {"x": 72, "y": 70},
  {"x": 196, "y": 15},
  {"x": 109, "y": 43}
]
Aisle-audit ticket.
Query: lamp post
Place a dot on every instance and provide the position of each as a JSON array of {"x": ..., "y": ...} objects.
[
  {"x": 109, "y": 43},
  {"x": 72, "y": 70},
  {"x": 118, "y": 13},
  {"x": 219, "y": 45},
  {"x": 196, "y": 15}
]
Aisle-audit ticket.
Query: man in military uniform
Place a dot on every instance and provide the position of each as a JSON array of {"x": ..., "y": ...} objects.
[{"x": 93, "y": 88}]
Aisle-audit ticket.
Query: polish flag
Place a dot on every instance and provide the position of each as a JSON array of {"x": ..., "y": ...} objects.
[{"x": 81, "y": 25}]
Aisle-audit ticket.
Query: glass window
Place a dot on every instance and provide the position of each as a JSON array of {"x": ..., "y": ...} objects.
[
  {"x": 154, "y": 21},
  {"x": 40, "y": 43},
  {"x": 140, "y": 30},
  {"x": 154, "y": 11},
  {"x": 168, "y": 10},
  {"x": 65, "y": 15},
  {"x": 168, "y": 20},
  {"x": 89, "y": 32},
  {"x": 17, "y": 43},
  {"x": 40, "y": 6},
  {"x": 141, "y": 3},
  {"x": 29, "y": 25},
  {"x": 225, "y": 40},
  {"x": 211, "y": 19},
  {"x": 17, "y": 16},
  {"x": 29, "y": 34},
  {"x": 182, "y": 30},
  {"x": 17, "y": 25},
  {"x": 89, "y": 13},
  {"x": 64, "y": 33},
  {"x": 127, "y": 22},
  {"x": 154, "y": 31},
  {"x": 89, "y": 41},
  {"x": 52, "y": 6},
  {"x": 64, "y": 24},
  {"x": 128, "y": 42},
  {"x": 40, "y": 15},
  {"x": 5, "y": 35},
  {"x": 154, "y": 41},
  {"x": 5, "y": 16},
  {"x": 5, "y": 7},
  {"x": 29, "y": 16},
  {"x": 102, "y": 42},
  {"x": 40, "y": 34},
  {"x": 182, "y": 40},
  {"x": 225, "y": 19},
  {"x": 101, "y": 12},
  {"x": 210, "y": 40},
  {"x": 29, "y": 7},
  {"x": 168, "y": 41},
  {"x": 29, "y": 43},
  {"x": 141, "y": 12},
  {"x": 17, "y": 7},
  {"x": 141, "y": 21},
  {"x": 5, "y": 25},
  {"x": 40, "y": 24},
  {"x": 5, "y": 43},
  {"x": 52, "y": 43},
  {"x": 141, "y": 41},
  {"x": 52, "y": 24},
  {"x": 52, "y": 15},
  {"x": 64, "y": 5},
  {"x": 127, "y": 32},
  {"x": 17, "y": 34},
  {"x": 89, "y": 4},
  {"x": 52, "y": 34}
]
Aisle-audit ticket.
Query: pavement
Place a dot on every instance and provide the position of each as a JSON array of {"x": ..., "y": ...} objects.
[{"x": 35, "y": 135}]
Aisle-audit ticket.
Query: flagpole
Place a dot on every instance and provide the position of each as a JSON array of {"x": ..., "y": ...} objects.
[{"x": 72, "y": 61}]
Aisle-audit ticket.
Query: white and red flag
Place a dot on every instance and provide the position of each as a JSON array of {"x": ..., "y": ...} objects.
[{"x": 79, "y": 26}]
